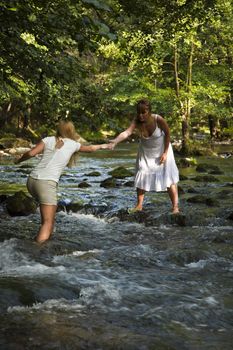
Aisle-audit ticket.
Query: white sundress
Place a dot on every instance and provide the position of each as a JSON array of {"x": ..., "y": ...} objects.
[{"x": 150, "y": 174}]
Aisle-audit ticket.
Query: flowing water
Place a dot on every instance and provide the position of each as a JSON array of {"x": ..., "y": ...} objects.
[{"x": 101, "y": 283}]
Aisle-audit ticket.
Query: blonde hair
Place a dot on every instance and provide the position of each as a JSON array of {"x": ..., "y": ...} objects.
[{"x": 66, "y": 129}]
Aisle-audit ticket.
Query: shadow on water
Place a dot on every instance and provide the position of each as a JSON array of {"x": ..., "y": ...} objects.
[{"x": 108, "y": 280}]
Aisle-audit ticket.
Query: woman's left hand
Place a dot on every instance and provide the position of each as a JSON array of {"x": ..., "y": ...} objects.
[{"x": 163, "y": 158}]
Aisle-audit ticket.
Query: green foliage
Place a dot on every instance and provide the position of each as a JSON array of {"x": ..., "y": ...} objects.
[
  {"x": 91, "y": 60},
  {"x": 41, "y": 45}
]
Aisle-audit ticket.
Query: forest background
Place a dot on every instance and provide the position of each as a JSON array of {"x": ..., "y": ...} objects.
[{"x": 91, "y": 60}]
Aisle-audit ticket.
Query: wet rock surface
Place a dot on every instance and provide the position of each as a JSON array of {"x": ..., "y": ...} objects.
[{"x": 20, "y": 204}]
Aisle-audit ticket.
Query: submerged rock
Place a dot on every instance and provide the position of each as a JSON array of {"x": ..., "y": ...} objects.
[{"x": 211, "y": 202}]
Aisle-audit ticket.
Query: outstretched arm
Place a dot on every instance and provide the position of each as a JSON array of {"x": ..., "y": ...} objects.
[
  {"x": 123, "y": 135},
  {"x": 162, "y": 124},
  {"x": 93, "y": 148},
  {"x": 32, "y": 153}
]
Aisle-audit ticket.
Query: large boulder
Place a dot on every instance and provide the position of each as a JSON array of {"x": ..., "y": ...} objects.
[{"x": 20, "y": 204}]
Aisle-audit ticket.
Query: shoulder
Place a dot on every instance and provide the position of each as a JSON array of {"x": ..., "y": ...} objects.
[
  {"x": 156, "y": 116},
  {"x": 162, "y": 124},
  {"x": 74, "y": 144},
  {"x": 49, "y": 140}
]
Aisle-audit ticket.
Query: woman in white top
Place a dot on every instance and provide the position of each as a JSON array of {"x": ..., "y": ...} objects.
[
  {"x": 156, "y": 169},
  {"x": 58, "y": 152}
]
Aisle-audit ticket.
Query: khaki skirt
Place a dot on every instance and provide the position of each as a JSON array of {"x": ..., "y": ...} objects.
[{"x": 43, "y": 191}]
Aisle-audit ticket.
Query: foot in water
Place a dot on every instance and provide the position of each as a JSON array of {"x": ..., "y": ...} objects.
[
  {"x": 175, "y": 210},
  {"x": 134, "y": 210}
]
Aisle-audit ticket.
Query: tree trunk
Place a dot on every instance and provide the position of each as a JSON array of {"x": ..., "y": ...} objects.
[
  {"x": 5, "y": 114},
  {"x": 187, "y": 110},
  {"x": 26, "y": 118}
]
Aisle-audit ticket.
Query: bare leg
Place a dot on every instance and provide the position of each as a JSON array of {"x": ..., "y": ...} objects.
[
  {"x": 140, "y": 198},
  {"x": 173, "y": 194},
  {"x": 47, "y": 213}
]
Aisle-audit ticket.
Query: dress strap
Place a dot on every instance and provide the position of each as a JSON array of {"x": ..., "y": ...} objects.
[{"x": 155, "y": 119}]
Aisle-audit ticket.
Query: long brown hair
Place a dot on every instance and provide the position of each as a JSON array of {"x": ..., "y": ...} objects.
[{"x": 66, "y": 129}]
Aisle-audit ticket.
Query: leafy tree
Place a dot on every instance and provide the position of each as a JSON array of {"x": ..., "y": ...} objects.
[
  {"x": 172, "y": 43},
  {"x": 41, "y": 44}
]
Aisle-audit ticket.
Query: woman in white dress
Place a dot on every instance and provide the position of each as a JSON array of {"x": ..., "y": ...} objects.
[
  {"x": 156, "y": 168},
  {"x": 57, "y": 152}
]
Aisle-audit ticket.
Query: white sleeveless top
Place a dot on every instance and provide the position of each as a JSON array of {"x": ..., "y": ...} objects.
[
  {"x": 153, "y": 145},
  {"x": 54, "y": 160}
]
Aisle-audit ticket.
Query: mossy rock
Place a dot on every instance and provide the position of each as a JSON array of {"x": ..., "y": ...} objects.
[
  {"x": 84, "y": 184},
  {"x": 93, "y": 173},
  {"x": 192, "y": 190},
  {"x": 216, "y": 172},
  {"x": 208, "y": 168},
  {"x": 224, "y": 193},
  {"x": 129, "y": 183},
  {"x": 74, "y": 207},
  {"x": 120, "y": 173},
  {"x": 110, "y": 182},
  {"x": 201, "y": 199},
  {"x": 197, "y": 199},
  {"x": 206, "y": 178},
  {"x": 183, "y": 177},
  {"x": 177, "y": 219},
  {"x": 20, "y": 204},
  {"x": 186, "y": 162},
  {"x": 212, "y": 202}
]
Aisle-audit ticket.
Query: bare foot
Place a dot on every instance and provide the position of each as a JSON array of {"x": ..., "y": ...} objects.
[
  {"x": 134, "y": 210},
  {"x": 175, "y": 210}
]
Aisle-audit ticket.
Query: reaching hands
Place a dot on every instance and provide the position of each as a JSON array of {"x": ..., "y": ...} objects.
[
  {"x": 112, "y": 144},
  {"x": 106, "y": 146}
]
